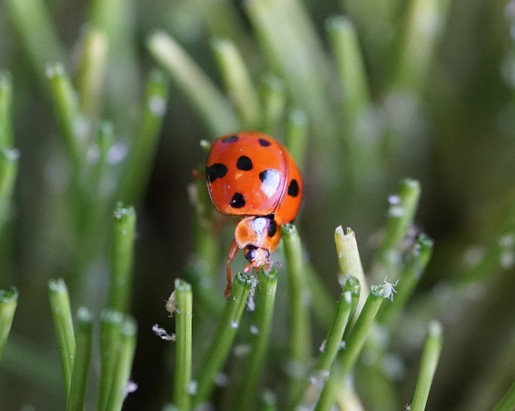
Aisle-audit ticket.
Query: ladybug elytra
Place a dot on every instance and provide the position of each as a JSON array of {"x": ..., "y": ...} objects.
[{"x": 249, "y": 174}]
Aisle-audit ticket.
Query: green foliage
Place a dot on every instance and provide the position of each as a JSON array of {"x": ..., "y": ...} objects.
[{"x": 364, "y": 94}]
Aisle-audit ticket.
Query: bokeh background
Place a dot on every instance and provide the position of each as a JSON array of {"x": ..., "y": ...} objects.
[{"x": 432, "y": 99}]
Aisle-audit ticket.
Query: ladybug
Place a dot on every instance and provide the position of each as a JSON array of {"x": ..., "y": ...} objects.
[{"x": 250, "y": 174}]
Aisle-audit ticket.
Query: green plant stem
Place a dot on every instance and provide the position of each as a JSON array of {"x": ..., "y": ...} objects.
[
  {"x": 273, "y": 97},
  {"x": 334, "y": 336},
  {"x": 82, "y": 361},
  {"x": 143, "y": 148},
  {"x": 122, "y": 250},
  {"x": 415, "y": 263},
  {"x": 348, "y": 357},
  {"x": 183, "y": 345},
  {"x": 349, "y": 261},
  {"x": 430, "y": 357},
  {"x": 8, "y": 303},
  {"x": 297, "y": 136},
  {"x": 110, "y": 331},
  {"x": 37, "y": 31},
  {"x": 238, "y": 82},
  {"x": 298, "y": 298},
  {"x": 423, "y": 29},
  {"x": 401, "y": 214},
  {"x": 91, "y": 74},
  {"x": 363, "y": 163},
  {"x": 8, "y": 172},
  {"x": 6, "y": 97},
  {"x": 123, "y": 364},
  {"x": 332, "y": 344},
  {"x": 63, "y": 324},
  {"x": 223, "y": 338},
  {"x": 351, "y": 284},
  {"x": 202, "y": 93},
  {"x": 67, "y": 111},
  {"x": 203, "y": 265},
  {"x": 105, "y": 141},
  {"x": 351, "y": 69},
  {"x": 507, "y": 402},
  {"x": 116, "y": 20},
  {"x": 261, "y": 327}
]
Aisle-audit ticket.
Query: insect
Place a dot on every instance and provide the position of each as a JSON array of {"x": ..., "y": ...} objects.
[{"x": 249, "y": 174}]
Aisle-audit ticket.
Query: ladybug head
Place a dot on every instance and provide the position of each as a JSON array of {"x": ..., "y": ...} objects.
[{"x": 257, "y": 257}]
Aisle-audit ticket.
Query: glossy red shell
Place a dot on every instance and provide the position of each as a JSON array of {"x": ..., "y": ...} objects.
[{"x": 251, "y": 174}]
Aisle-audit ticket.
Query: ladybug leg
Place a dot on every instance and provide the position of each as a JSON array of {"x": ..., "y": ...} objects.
[{"x": 233, "y": 251}]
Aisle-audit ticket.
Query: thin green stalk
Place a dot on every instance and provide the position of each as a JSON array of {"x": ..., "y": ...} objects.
[
  {"x": 183, "y": 346},
  {"x": 401, "y": 214},
  {"x": 123, "y": 364},
  {"x": 430, "y": 357},
  {"x": 348, "y": 357},
  {"x": 415, "y": 263},
  {"x": 507, "y": 402},
  {"x": 223, "y": 338},
  {"x": 297, "y": 136},
  {"x": 260, "y": 329},
  {"x": 110, "y": 330},
  {"x": 423, "y": 29},
  {"x": 362, "y": 168},
  {"x": 67, "y": 111},
  {"x": 8, "y": 172},
  {"x": 334, "y": 337},
  {"x": 91, "y": 74},
  {"x": 122, "y": 251},
  {"x": 37, "y": 31},
  {"x": 116, "y": 19},
  {"x": 100, "y": 173},
  {"x": 200, "y": 90},
  {"x": 203, "y": 265},
  {"x": 331, "y": 345},
  {"x": 79, "y": 382},
  {"x": 273, "y": 97},
  {"x": 351, "y": 69},
  {"x": 351, "y": 284},
  {"x": 8, "y": 303},
  {"x": 6, "y": 99},
  {"x": 138, "y": 166},
  {"x": 349, "y": 260},
  {"x": 299, "y": 315},
  {"x": 63, "y": 324},
  {"x": 238, "y": 82}
]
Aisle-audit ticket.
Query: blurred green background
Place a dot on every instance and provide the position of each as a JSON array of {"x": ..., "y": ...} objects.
[{"x": 427, "y": 94}]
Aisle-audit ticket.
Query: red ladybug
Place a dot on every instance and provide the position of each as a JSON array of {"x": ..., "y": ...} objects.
[{"x": 250, "y": 174}]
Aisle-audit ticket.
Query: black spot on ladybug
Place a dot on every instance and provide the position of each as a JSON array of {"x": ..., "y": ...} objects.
[
  {"x": 244, "y": 163},
  {"x": 230, "y": 139},
  {"x": 217, "y": 170},
  {"x": 263, "y": 142},
  {"x": 293, "y": 188},
  {"x": 237, "y": 201},
  {"x": 272, "y": 228},
  {"x": 271, "y": 180}
]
